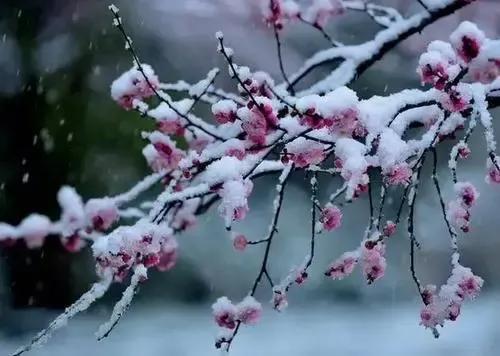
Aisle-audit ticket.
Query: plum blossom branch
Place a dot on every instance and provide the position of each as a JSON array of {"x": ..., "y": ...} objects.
[
  {"x": 358, "y": 58},
  {"x": 83, "y": 303},
  {"x": 262, "y": 129}
]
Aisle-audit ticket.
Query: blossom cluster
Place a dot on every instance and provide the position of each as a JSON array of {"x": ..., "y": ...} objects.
[
  {"x": 317, "y": 12},
  {"x": 446, "y": 303}
]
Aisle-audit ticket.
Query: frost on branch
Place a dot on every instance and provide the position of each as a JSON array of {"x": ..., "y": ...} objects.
[{"x": 263, "y": 128}]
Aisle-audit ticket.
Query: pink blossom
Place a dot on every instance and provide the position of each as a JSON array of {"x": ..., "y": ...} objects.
[
  {"x": 275, "y": 12},
  {"x": 456, "y": 99},
  {"x": 343, "y": 266},
  {"x": 301, "y": 277},
  {"x": 438, "y": 65},
  {"x": 389, "y": 228},
  {"x": 258, "y": 121},
  {"x": 467, "y": 40},
  {"x": 171, "y": 127},
  {"x": 236, "y": 152},
  {"x": 344, "y": 122},
  {"x": 72, "y": 243},
  {"x": 399, "y": 174},
  {"x": 224, "y": 313},
  {"x": 320, "y": 11},
  {"x": 198, "y": 144},
  {"x": 279, "y": 301},
  {"x": 167, "y": 254},
  {"x": 493, "y": 172},
  {"x": 225, "y": 111},
  {"x": 256, "y": 129},
  {"x": 429, "y": 294},
  {"x": 453, "y": 311},
  {"x": 132, "y": 85},
  {"x": 467, "y": 193},
  {"x": 331, "y": 217},
  {"x": 435, "y": 75},
  {"x": 257, "y": 83},
  {"x": 101, "y": 213},
  {"x": 240, "y": 242},
  {"x": 169, "y": 155},
  {"x": 374, "y": 263},
  {"x": 234, "y": 204},
  {"x": 312, "y": 119},
  {"x": 458, "y": 215},
  {"x": 464, "y": 151},
  {"x": 431, "y": 316},
  {"x": 487, "y": 71},
  {"x": 470, "y": 286},
  {"x": 249, "y": 310},
  {"x": 305, "y": 152}
]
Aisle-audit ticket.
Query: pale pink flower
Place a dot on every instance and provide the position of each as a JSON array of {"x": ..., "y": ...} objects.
[
  {"x": 458, "y": 215},
  {"x": 101, "y": 213},
  {"x": 132, "y": 85},
  {"x": 240, "y": 242},
  {"x": 168, "y": 254},
  {"x": 399, "y": 174},
  {"x": 343, "y": 266},
  {"x": 279, "y": 301},
  {"x": 249, "y": 310},
  {"x": 456, "y": 99},
  {"x": 344, "y": 122},
  {"x": 236, "y": 152},
  {"x": 389, "y": 228},
  {"x": 453, "y": 311},
  {"x": 168, "y": 154},
  {"x": 331, "y": 217},
  {"x": 464, "y": 151},
  {"x": 493, "y": 172},
  {"x": 305, "y": 152},
  {"x": 225, "y": 111},
  {"x": 224, "y": 313},
  {"x": 171, "y": 127},
  {"x": 438, "y": 65},
  {"x": 374, "y": 262},
  {"x": 72, "y": 243},
  {"x": 467, "y": 40},
  {"x": 467, "y": 193},
  {"x": 320, "y": 11},
  {"x": 429, "y": 294},
  {"x": 431, "y": 316},
  {"x": 470, "y": 286}
]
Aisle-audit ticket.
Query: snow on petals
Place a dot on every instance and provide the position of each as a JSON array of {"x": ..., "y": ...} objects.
[
  {"x": 249, "y": 310},
  {"x": 305, "y": 152},
  {"x": 331, "y": 217},
  {"x": 343, "y": 266},
  {"x": 133, "y": 85},
  {"x": 467, "y": 40},
  {"x": 168, "y": 155},
  {"x": 224, "y": 312},
  {"x": 373, "y": 260},
  {"x": 234, "y": 204},
  {"x": 462, "y": 285},
  {"x": 320, "y": 11},
  {"x": 101, "y": 213},
  {"x": 143, "y": 243}
]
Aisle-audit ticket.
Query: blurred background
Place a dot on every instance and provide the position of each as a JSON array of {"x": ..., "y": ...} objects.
[{"x": 58, "y": 125}]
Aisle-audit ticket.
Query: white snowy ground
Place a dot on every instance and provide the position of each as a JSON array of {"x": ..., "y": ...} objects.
[{"x": 320, "y": 330}]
